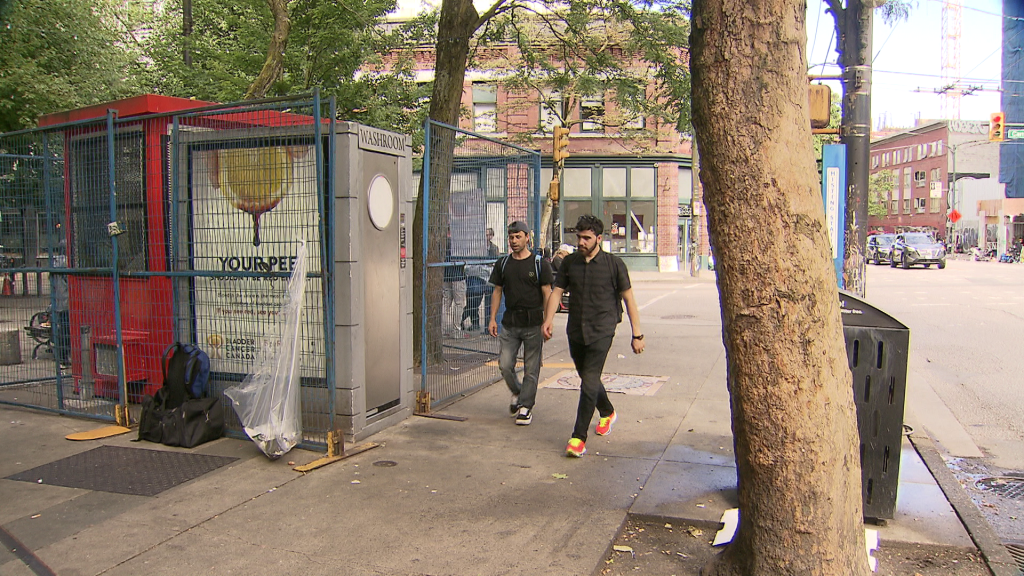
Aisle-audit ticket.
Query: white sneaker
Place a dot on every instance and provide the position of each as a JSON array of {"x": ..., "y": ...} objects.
[{"x": 524, "y": 417}]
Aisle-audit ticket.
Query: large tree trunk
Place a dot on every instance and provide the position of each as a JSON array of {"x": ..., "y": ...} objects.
[
  {"x": 793, "y": 416},
  {"x": 458, "y": 22},
  {"x": 273, "y": 67}
]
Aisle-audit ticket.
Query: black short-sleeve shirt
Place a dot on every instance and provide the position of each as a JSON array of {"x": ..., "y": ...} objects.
[
  {"x": 521, "y": 288},
  {"x": 595, "y": 294}
]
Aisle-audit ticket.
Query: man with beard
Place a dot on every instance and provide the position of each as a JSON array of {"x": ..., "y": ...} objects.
[
  {"x": 525, "y": 279},
  {"x": 598, "y": 283}
]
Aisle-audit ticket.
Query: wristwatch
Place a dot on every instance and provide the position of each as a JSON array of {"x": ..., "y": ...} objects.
[{"x": 640, "y": 337}]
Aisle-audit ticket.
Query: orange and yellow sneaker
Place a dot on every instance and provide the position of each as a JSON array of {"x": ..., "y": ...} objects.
[
  {"x": 576, "y": 448},
  {"x": 604, "y": 425}
]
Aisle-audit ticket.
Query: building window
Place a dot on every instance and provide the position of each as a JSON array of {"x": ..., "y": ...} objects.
[
  {"x": 906, "y": 178},
  {"x": 624, "y": 197},
  {"x": 485, "y": 107},
  {"x": 550, "y": 111},
  {"x": 874, "y": 161},
  {"x": 920, "y": 178},
  {"x": 894, "y": 207},
  {"x": 935, "y": 205},
  {"x": 919, "y": 205},
  {"x": 906, "y": 205},
  {"x": 592, "y": 113}
]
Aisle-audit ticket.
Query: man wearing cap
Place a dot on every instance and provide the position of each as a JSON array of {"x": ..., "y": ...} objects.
[
  {"x": 525, "y": 280},
  {"x": 598, "y": 284}
]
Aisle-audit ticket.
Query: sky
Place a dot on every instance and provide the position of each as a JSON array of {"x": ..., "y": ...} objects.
[
  {"x": 907, "y": 64},
  {"x": 907, "y": 67}
]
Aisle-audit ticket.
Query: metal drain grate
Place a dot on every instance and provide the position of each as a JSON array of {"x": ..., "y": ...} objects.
[
  {"x": 124, "y": 470},
  {"x": 1017, "y": 552},
  {"x": 1005, "y": 486}
]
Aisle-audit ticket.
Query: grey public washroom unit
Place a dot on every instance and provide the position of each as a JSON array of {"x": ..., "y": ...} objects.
[{"x": 234, "y": 241}]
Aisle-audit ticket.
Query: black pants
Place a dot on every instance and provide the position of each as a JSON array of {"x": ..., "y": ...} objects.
[
  {"x": 589, "y": 360},
  {"x": 475, "y": 290},
  {"x": 61, "y": 330}
]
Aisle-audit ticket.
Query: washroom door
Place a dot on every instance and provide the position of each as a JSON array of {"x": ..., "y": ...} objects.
[{"x": 380, "y": 259}]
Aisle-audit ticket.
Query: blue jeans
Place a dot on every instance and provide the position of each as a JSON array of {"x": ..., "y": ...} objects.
[{"x": 532, "y": 342}]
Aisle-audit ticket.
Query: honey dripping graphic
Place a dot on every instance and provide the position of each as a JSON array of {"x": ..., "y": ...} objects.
[{"x": 254, "y": 180}]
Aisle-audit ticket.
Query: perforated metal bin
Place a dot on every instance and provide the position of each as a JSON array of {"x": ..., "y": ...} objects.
[{"x": 877, "y": 347}]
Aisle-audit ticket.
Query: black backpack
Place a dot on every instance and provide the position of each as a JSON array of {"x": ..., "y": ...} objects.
[{"x": 177, "y": 415}]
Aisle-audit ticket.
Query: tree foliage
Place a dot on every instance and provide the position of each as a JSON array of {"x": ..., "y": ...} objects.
[
  {"x": 626, "y": 56},
  {"x": 63, "y": 54},
  {"x": 880, "y": 186},
  {"x": 328, "y": 45}
]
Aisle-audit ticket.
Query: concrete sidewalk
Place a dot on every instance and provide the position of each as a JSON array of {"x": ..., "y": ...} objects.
[{"x": 483, "y": 496}]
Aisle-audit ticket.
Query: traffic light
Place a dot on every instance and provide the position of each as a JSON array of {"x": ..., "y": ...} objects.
[
  {"x": 996, "y": 127},
  {"x": 560, "y": 148}
]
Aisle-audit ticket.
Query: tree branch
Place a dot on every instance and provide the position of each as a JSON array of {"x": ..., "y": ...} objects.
[
  {"x": 495, "y": 9},
  {"x": 273, "y": 67}
]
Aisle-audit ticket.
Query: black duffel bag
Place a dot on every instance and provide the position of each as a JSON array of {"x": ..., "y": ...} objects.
[
  {"x": 195, "y": 421},
  {"x": 173, "y": 416}
]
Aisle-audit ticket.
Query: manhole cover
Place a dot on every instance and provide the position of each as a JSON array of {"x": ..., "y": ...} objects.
[
  {"x": 385, "y": 463},
  {"x": 1017, "y": 552},
  {"x": 678, "y": 317},
  {"x": 620, "y": 383},
  {"x": 1005, "y": 486}
]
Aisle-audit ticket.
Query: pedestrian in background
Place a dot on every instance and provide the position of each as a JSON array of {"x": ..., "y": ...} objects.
[
  {"x": 524, "y": 279},
  {"x": 598, "y": 283},
  {"x": 453, "y": 294}
]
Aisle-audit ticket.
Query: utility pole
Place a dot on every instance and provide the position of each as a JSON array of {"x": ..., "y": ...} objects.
[{"x": 855, "y": 33}]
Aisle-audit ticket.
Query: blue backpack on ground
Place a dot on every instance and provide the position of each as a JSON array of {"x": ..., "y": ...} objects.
[{"x": 186, "y": 372}]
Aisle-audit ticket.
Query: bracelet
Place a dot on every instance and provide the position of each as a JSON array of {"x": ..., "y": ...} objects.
[{"x": 640, "y": 337}]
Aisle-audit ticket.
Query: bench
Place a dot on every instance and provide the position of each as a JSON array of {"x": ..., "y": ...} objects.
[{"x": 40, "y": 329}]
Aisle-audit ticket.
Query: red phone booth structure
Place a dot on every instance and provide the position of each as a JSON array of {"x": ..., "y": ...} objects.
[{"x": 140, "y": 154}]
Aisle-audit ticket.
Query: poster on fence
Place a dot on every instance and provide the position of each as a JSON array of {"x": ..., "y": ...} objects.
[{"x": 249, "y": 207}]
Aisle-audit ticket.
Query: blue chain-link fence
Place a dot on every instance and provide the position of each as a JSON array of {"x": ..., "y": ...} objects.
[
  {"x": 473, "y": 186},
  {"x": 123, "y": 235}
]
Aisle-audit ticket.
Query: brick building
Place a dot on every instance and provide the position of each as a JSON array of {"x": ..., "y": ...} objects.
[
  {"x": 925, "y": 160},
  {"x": 640, "y": 188}
]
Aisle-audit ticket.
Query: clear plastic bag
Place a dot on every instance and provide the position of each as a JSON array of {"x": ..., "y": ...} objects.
[{"x": 268, "y": 401}]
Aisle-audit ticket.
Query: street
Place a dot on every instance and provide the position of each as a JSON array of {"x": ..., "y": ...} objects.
[
  {"x": 964, "y": 381},
  {"x": 965, "y": 350}
]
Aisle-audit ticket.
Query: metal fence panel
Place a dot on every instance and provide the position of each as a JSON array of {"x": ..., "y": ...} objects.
[
  {"x": 162, "y": 228},
  {"x": 473, "y": 187},
  {"x": 249, "y": 183}
]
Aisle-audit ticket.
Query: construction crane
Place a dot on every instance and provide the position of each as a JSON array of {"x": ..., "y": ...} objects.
[{"x": 951, "y": 91}]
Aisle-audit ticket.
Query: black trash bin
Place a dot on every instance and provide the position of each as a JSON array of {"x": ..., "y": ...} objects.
[{"x": 878, "y": 348}]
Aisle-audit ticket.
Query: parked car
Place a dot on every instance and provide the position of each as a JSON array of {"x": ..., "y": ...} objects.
[
  {"x": 880, "y": 248},
  {"x": 917, "y": 248}
]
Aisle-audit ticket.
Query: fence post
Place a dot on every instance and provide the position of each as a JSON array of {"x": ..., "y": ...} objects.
[
  {"x": 114, "y": 229},
  {"x": 421, "y": 398}
]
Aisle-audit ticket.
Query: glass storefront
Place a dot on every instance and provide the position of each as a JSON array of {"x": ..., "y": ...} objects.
[{"x": 622, "y": 196}]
